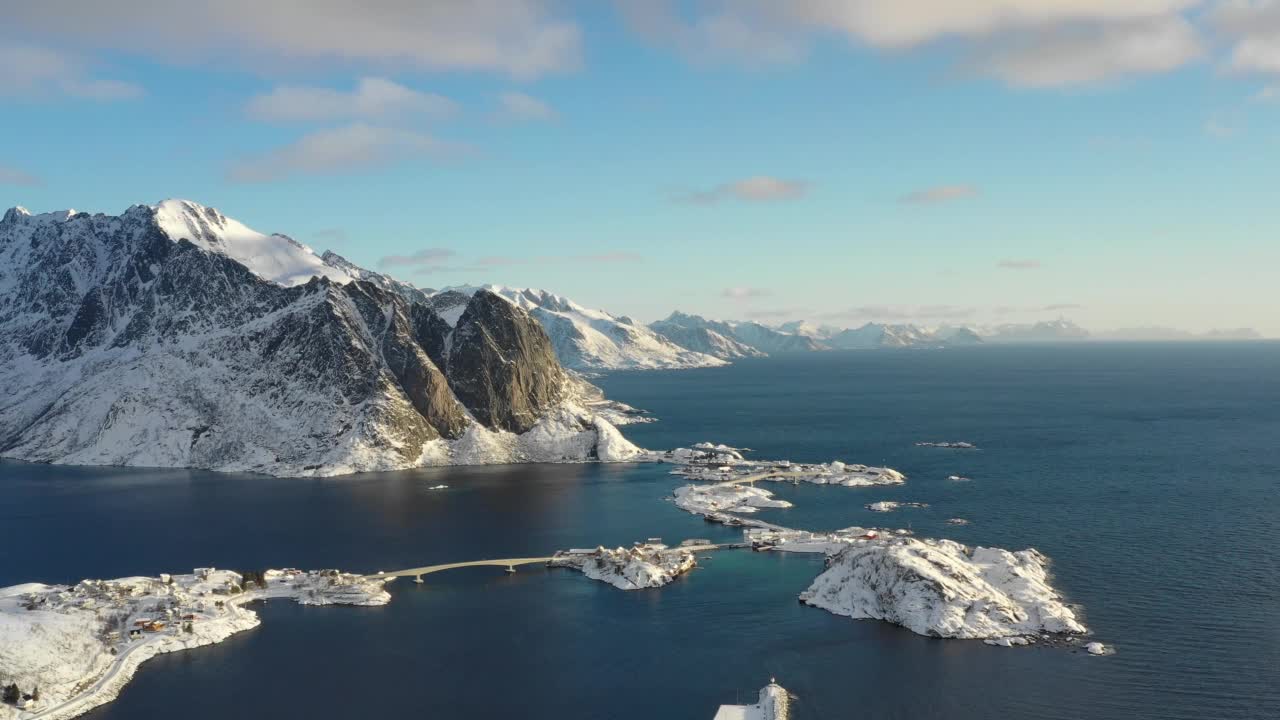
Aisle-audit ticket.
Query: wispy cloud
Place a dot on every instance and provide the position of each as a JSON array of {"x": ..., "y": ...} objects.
[
  {"x": 523, "y": 38},
  {"x": 337, "y": 151},
  {"x": 775, "y": 313},
  {"x": 611, "y": 257},
  {"x": 761, "y": 188},
  {"x": 372, "y": 98},
  {"x": 606, "y": 258},
  {"x": 939, "y": 194},
  {"x": 1019, "y": 264},
  {"x": 745, "y": 293},
  {"x": 1079, "y": 54},
  {"x": 900, "y": 313},
  {"x": 515, "y": 106},
  {"x": 330, "y": 236},
  {"x": 14, "y": 176},
  {"x": 36, "y": 73},
  {"x": 1254, "y": 28},
  {"x": 422, "y": 258},
  {"x": 1222, "y": 126},
  {"x": 1060, "y": 43}
]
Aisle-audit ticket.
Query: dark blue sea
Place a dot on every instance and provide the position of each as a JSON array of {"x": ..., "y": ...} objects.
[{"x": 1150, "y": 473}]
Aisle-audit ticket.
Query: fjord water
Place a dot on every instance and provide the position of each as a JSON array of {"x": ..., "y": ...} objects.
[{"x": 1148, "y": 472}]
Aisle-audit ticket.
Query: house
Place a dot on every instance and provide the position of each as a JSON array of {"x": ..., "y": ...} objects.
[{"x": 155, "y": 626}]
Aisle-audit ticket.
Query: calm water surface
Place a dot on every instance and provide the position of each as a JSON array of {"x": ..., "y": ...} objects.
[{"x": 1147, "y": 472}]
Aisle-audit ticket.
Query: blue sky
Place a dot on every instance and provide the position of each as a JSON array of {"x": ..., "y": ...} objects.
[{"x": 969, "y": 161}]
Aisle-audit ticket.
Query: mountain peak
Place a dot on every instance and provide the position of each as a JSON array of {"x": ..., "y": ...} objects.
[{"x": 277, "y": 258}]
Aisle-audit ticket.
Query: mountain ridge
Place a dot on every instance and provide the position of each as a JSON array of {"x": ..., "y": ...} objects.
[{"x": 140, "y": 340}]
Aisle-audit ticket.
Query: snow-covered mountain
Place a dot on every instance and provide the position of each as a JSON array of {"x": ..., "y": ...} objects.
[
  {"x": 171, "y": 335},
  {"x": 876, "y": 336},
  {"x": 1044, "y": 331},
  {"x": 803, "y": 336},
  {"x": 729, "y": 340},
  {"x": 587, "y": 339}
]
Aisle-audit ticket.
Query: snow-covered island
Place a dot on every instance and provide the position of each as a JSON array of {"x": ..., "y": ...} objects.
[
  {"x": 721, "y": 463},
  {"x": 941, "y": 588},
  {"x": 732, "y": 491},
  {"x": 72, "y": 648},
  {"x": 891, "y": 505},
  {"x": 648, "y": 565},
  {"x": 938, "y": 588},
  {"x": 960, "y": 445},
  {"x": 711, "y": 499}
]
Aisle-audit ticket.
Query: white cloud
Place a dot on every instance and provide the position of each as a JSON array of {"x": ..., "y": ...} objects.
[
  {"x": 37, "y": 73},
  {"x": 337, "y": 151},
  {"x": 745, "y": 293},
  {"x": 760, "y": 188},
  {"x": 1254, "y": 28},
  {"x": 519, "y": 106},
  {"x": 523, "y": 38},
  {"x": 940, "y": 194},
  {"x": 1132, "y": 36},
  {"x": 427, "y": 257},
  {"x": 1080, "y": 54},
  {"x": 1019, "y": 264},
  {"x": 372, "y": 98},
  {"x": 14, "y": 176}
]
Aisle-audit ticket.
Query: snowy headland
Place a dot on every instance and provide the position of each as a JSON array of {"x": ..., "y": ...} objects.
[{"x": 71, "y": 648}]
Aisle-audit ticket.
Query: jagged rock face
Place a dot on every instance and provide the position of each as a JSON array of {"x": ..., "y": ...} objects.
[
  {"x": 385, "y": 282},
  {"x": 417, "y": 375},
  {"x": 501, "y": 364},
  {"x": 120, "y": 344}
]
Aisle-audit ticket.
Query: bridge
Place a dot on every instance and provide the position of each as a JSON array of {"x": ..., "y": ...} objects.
[
  {"x": 416, "y": 573},
  {"x": 509, "y": 564}
]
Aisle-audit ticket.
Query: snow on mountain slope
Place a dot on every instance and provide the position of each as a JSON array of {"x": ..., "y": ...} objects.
[
  {"x": 120, "y": 345},
  {"x": 875, "y": 335},
  {"x": 340, "y": 264},
  {"x": 1044, "y": 331},
  {"x": 705, "y": 340},
  {"x": 277, "y": 258},
  {"x": 748, "y": 338},
  {"x": 587, "y": 339}
]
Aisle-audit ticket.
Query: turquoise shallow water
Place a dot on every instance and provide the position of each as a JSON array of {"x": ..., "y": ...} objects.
[{"x": 1147, "y": 472}]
